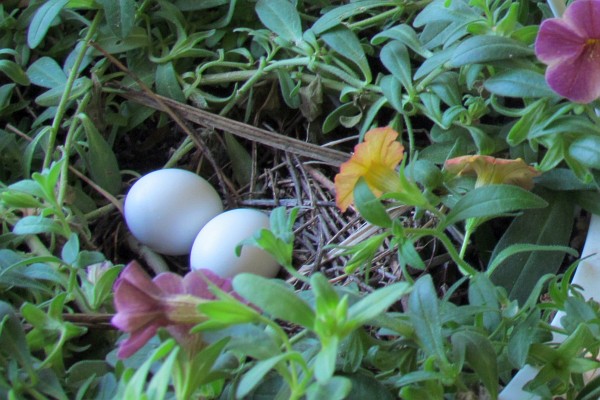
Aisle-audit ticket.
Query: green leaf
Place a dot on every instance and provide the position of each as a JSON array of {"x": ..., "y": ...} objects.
[
  {"x": 524, "y": 247},
  {"x": 42, "y": 20},
  {"x": 120, "y": 16},
  {"x": 376, "y": 303},
  {"x": 159, "y": 384},
  {"x": 586, "y": 150},
  {"x": 588, "y": 200},
  {"x": 53, "y": 96},
  {"x": 255, "y": 375},
  {"x": 101, "y": 160},
  {"x": 34, "y": 224},
  {"x": 289, "y": 90},
  {"x": 167, "y": 84},
  {"x": 274, "y": 298},
  {"x": 336, "y": 388},
  {"x": 227, "y": 312},
  {"x": 281, "y": 17},
  {"x": 14, "y": 72},
  {"x": 488, "y": 48},
  {"x": 530, "y": 116},
  {"x": 327, "y": 299},
  {"x": 406, "y": 35},
  {"x": 394, "y": 57},
  {"x": 336, "y": 15},
  {"x": 392, "y": 91},
  {"x": 70, "y": 250},
  {"x": 102, "y": 289},
  {"x": 551, "y": 225},
  {"x": 241, "y": 160},
  {"x": 133, "y": 388},
  {"x": 519, "y": 83},
  {"x": 369, "y": 207},
  {"x": 12, "y": 339},
  {"x": 408, "y": 254},
  {"x": 521, "y": 338},
  {"x": 493, "y": 200},
  {"x": 482, "y": 292},
  {"x": 423, "y": 305},
  {"x": 138, "y": 38},
  {"x": 332, "y": 120},
  {"x": 346, "y": 43},
  {"x": 367, "y": 386},
  {"x": 481, "y": 356},
  {"x": 46, "y": 72},
  {"x": 325, "y": 361}
]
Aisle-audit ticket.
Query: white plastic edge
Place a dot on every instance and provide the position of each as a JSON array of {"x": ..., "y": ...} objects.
[{"x": 587, "y": 276}]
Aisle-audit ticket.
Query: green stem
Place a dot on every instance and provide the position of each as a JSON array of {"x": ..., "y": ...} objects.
[
  {"x": 297, "y": 390},
  {"x": 184, "y": 148},
  {"x": 411, "y": 137},
  {"x": 429, "y": 78},
  {"x": 465, "y": 243},
  {"x": 260, "y": 72},
  {"x": 65, "y": 98},
  {"x": 70, "y": 139},
  {"x": 374, "y": 20},
  {"x": 463, "y": 266}
]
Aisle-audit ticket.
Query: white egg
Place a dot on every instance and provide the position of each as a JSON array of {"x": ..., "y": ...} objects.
[
  {"x": 166, "y": 209},
  {"x": 214, "y": 247}
]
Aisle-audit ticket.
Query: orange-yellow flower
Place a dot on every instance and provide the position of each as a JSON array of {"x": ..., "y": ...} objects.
[
  {"x": 491, "y": 170},
  {"x": 375, "y": 160}
]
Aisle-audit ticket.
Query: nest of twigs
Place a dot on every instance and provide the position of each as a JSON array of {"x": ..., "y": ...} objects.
[{"x": 286, "y": 171}]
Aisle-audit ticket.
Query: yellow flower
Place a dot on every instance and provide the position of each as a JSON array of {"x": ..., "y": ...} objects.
[
  {"x": 375, "y": 160},
  {"x": 491, "y": 170}
]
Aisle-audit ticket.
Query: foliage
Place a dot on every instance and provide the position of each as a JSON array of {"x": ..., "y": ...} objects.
[{"x": 454, "y": 78}]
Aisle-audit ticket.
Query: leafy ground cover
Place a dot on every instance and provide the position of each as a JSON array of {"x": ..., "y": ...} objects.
[{"x": 429, "y": 168}]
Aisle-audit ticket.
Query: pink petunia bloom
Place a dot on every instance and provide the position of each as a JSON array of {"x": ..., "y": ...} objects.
[
  {"x": 570, "y": 46},
  {"x": 169, "y": 300}
]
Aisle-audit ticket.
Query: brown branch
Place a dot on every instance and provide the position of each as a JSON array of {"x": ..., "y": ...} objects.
[{"x": 246, "y": 131}]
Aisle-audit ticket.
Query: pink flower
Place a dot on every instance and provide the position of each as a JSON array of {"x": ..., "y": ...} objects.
[
  {"x": 570, "y": 46},
  {"x": 169, "y": 300}
]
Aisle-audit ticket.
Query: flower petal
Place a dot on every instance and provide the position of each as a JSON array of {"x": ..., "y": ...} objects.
[
  {"x": 380, "y": 144},
  {"x": 130, "y": 322},
  {"x": 169, "y": 283},
  {"x": 577, "y": 79},
  {"x": 379, "y": 147},
  {"x": 584, "y": 17},
  {"x": 130, "y": 298},
  {"x": 557, "y": 41},
  {"x": 136, "y": 341},
  {"x": 345, "y": 182},
  {"x": 195, "y": 283}
]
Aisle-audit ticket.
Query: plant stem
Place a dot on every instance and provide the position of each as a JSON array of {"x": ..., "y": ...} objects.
[
  {"x": 463, "y": 266},
  {"x": 376, "y": 19},
  {"x": 65, "y": 98},
  {"x": 465, "y": 243},
  {"x": 70, "y": 139},
  {"x": 411, "y": 137}
]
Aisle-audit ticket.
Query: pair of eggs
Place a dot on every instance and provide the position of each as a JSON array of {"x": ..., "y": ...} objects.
[{"x": 176, "y": 212}]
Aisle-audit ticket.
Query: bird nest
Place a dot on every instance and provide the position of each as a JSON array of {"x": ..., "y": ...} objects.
[{"x": 285, "y": 170}]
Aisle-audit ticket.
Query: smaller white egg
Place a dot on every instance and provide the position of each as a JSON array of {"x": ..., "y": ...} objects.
[
  {"x": 214, "y": 247},
  {"x": 166, "y": 209}
]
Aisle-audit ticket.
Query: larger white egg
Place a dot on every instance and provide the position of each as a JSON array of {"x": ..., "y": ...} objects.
[
  {"x": 166, "y": 209},
  {"x": 214, "y": 247}
]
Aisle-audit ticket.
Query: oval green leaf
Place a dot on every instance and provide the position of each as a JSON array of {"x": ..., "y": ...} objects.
[{"x": 493, "y": 200}]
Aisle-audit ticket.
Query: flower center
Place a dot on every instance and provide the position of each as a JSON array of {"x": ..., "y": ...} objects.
[
  {"x": 183, "y": 309},
  {"x": 382, "y": 179}
]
